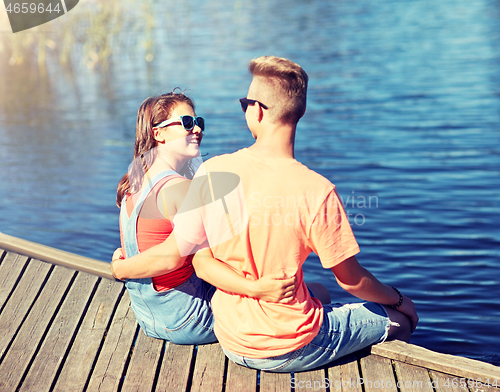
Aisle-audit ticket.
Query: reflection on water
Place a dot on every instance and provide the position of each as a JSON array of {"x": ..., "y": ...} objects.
[{"x": 402, "y": 111}]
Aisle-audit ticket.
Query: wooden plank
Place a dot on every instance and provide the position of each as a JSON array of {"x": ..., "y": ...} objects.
[
  {"x": 33, "y": 329},
  {"x": 110, "y": 366},
  {"x": 483, "y": 386},
  {"x": 444, "y": 363},
  {"x": 49, "y": 359},
  {"x": 344, "y": 376},
  {"x": 208, "y": 372},
  {"x": 275, "y": 382},
  {"x": 78, "y": 365},
  {"x": 10, "y": 271},
  {"x": 240, "y": 378},
  {"x": 377, "y": 374},
  {"x": 145, "y": 360},
  {"x": 448, "y": 383},
  {"x": 412, "y": 378},
  {"x": 175, "y": 368},
  {"x": 55, "y": 256},
  {"x": 21, "y": 300},
  {"x": 313, "y": 381},
  {"x": 444, "y": 383}
]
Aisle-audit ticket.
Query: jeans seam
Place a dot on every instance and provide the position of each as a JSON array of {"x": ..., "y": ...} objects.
[
  {"x": 288, "y": 361},
  {"x": 149, "y": 309}
]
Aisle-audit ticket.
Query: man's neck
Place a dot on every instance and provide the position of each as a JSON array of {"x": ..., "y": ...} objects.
[{"x": 275, "y": 142}]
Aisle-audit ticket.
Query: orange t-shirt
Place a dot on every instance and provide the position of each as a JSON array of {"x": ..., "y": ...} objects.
[
  {"x": 291, "y": 212},
  {"x": 153, "y": 229}
]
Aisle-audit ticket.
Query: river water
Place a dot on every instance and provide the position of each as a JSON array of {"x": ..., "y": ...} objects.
[{"x": 403, "y": 116}]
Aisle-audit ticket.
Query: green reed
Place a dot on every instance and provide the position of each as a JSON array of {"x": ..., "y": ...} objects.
[{"x": 90, "y": 34}]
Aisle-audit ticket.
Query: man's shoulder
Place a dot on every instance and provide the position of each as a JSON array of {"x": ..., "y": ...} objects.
[
  {"x": 225, "y": 157},
  {"x": 290, "y": 170},
  {"x": 312, "y": 177}
]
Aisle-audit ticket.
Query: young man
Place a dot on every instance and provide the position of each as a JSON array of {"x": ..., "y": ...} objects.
[{"x": 275, "y": 215}]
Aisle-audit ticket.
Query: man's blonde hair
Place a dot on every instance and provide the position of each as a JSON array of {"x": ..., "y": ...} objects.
[{"x": 281, "y": 84}]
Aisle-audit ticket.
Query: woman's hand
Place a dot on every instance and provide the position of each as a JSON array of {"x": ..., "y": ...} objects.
[
  {"x": 275, "y": 288},
  {"x": 117, "y": 255}
]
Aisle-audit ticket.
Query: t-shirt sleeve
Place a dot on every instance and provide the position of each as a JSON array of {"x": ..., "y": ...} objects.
[
  {"x": 331, "y": 236},
  {"x": 188, "y": 224}
]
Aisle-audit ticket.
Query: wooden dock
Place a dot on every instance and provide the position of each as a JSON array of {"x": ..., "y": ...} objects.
[{"x": 67, "y": 325}]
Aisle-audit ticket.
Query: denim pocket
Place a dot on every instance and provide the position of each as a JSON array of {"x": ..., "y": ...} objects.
[{"x": 180, "y": 327}]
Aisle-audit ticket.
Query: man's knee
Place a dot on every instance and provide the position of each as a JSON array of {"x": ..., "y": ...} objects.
[{"x": 400, "y": 325}]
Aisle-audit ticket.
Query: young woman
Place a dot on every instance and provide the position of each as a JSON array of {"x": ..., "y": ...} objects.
[{"x": 174, "y": 306}]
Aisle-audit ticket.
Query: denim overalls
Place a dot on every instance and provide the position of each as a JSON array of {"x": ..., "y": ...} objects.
[{"x": 180, "y": 315}]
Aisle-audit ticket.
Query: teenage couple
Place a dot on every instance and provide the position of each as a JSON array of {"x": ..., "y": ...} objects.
[{"x": 245, "y": 225}]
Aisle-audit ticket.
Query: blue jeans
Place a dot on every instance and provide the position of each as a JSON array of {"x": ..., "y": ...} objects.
[
  {"x": 181, "y": 315},
  {"x": 345, "y": 329}
]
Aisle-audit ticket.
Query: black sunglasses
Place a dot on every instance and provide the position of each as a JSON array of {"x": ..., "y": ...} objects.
[
  {"x": 245, "y": 102},
  {"x": 187, "y": 122}
]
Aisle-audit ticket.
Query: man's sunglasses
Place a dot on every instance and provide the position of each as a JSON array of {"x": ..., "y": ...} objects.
[
  {"x": 187, "y": 122},
  {"x": 245, "y": 102}
]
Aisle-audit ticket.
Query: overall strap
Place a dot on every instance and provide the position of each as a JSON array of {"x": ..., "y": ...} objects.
[{"x": 129, "y": 224}]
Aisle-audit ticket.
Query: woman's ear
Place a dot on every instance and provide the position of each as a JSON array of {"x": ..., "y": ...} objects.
[{"x": 158, "y": 135}]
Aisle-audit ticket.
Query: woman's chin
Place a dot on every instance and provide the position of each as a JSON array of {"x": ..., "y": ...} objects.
[{"x": 194, "y": 150}]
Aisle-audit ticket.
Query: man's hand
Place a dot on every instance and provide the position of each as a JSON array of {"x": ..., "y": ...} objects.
[
  {"x": 118, "y": 254},
  {"x": 408, "y": 308}
]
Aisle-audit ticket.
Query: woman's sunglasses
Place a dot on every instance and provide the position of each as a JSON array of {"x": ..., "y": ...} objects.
[
  {"x": 245, "y": 102},
  {"x": 187, "y": 122}
]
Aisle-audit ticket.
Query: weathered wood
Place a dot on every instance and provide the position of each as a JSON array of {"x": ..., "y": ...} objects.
[
  {"x": 448, "y": 364},
  {"x": 110, "y": 366},
  {"x": 55, "y": 256},
  {"x": 275, "y": 382},
  {"x": 29, "y": 337},
  {"x": 49, "y": 359},
  {"x": 444, "y": 383},
  {"x": 313, "y": 381},
  {"x": 412, "y": 378},
  {"x": 78, "y": 365},
  {"x": 10, "y": 271},
  {"x": 344, "y": 376},
  {"x": 54, "y": 336},
  {"x": 240, "y": 378},
  {"x": 175, "y": 368},
  {"x": 145, "y": 360},
  {"x": 481, "y": 386},
  {"x": 208, "y": 375},
  {"x": 377, "y": 374},
  {"x": 448, "y": 383},
  {"x": 21, "y": 300}
]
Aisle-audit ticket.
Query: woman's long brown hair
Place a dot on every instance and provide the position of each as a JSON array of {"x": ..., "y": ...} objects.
[{"x": 151, "y": 112}]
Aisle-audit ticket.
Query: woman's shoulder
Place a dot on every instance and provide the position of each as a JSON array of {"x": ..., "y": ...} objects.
[{"x": 170, "y": 194}]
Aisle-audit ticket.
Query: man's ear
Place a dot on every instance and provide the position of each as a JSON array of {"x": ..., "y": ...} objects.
[
  {"x": 304, "y": 112},
  {"x": 260, "y": 113}
]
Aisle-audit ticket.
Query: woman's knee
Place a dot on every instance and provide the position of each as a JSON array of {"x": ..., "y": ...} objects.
[{"x": 400, "y": 328}]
